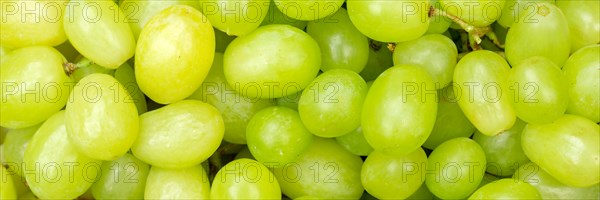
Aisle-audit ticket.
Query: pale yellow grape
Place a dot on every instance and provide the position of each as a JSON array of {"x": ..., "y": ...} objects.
[
  {"x": 97, "y": 29},
  {"x": 583, "y": 79},
  {"x": 186, "y": 183},
  {"x": 32, "y": 22},
  {"x": 245, "y": 179},
  {"x": 478, "y": 13},
  {"x": 238, "y": 17},
  {"x": 174, "y": 54},
  {"x": 139, "y": 12}
]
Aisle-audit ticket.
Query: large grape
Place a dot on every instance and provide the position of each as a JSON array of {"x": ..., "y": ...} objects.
[
  {"x": 355, "y": 142},
  {"x": 308, "y": 10},
  {"x": 139, "y": 12},
  {"x": 399, "y": 110},
  {"x": 481, "y": 85},
  {"x": 186, "y": 183},
  {"x": 238, "y": 17},
  {"x": 583, "y": 79},
  {"x": 478, "y": 13},
  {"x": 568, "y": 149},
  {"x": 7, "y": 191},
  {"x": 550, "y": 188},
  {"x": 507, "y": 188},
  {"x": 15, "y": 143},
  {"x": 169, "y": 134},
  {"x": 583, "y": 17},
  {"x": 390, "y": 21},
  {"x": 126, "y": 77},
  {"x": 123, "y": 178},
  {"x": 168, "y": 68},
  {"x": 34, "y": 86},
  {"x": 275, "y": 16},
  {"x": 503, "y": 152},
  {"x": 542, "y": 32},
  {"x": 271, "y": 62},
  {"x": 514, "y": 8},
  {"x": 32, "y": 22},
  {"x": 113, "y": 42},
  {"x": 245, "y": 179}
]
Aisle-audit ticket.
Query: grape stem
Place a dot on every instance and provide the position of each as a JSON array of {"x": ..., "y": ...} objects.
[
  {"x": 69, "y": 68},
  {"x": 475, "y": 33}
]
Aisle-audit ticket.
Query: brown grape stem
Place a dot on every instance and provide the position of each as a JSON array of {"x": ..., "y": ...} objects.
[
  {"x": 69, "y": 68},
  {"x": 476, "y": 33},
  {"x": 391, "y": 47}
]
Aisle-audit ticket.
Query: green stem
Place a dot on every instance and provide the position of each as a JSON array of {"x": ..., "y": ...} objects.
[{"x": 475, "y": 32}]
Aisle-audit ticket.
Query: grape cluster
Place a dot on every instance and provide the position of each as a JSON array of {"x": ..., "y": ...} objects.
[{"x": 289, "y": 99}]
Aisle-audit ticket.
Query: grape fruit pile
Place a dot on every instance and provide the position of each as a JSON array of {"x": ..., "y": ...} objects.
[{"x": 300, "y": 99}]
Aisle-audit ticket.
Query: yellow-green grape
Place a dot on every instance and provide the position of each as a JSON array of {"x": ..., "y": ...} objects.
[
  {"x": 235, "y": 108},
  {"x": 308, "y": 10},
  {"x": 123, "y": 178},
  {"x": 390, "y": 21},
  {"x": 478, "y": 13},
  {"x": 550, "y": 188},
  {"x": 331, "y": 105},
  {"x": 583, "y": 79},
  {"x": 438, "y": 24},
  {"x": 568, "y": 149},
  {"x": 389, "y": 176},
  {"x": 507, "y": 188},
  {"x": 514, "y": 8},
  {"x": 290, "y": 101},
  {"x": 34, "y": 86},
  {"x": 480, "y": 84},
  {"x": 399, "y": 110},
  {"x": 540, "y": 94},
  {"x": 380, "y": 59},
  {"x": 503, "y": 152},
  {"x": 238, "y": 17},
  {"x": 185, "y": 183},
  {"x": 275, "y": 16},
  {"x": 53, "y": 167},
  {"x": 169, "y": 134},
  {"x": 101, "y": 118},
  {"x": 85, "y": 67},
  {"x": 288, "y": 61},
  {"x": 98, "y": 30},
  {"x": 355, "y": 142},
  {"x": 7, "y": 191},
  {"x": 583, "y": 17},
  {"x": 342, "y": 45},
  {"x": 15, "y": 143},
  {"x": 450, "y": 121},
  {"x": 434, "y": 52},
  {"x": 168, "y": 68},
  {"x": 325, "y": 170},
  {"x": 222, "y": 40},
  {"x": 3, "y": 53},
  {"x": 245, "y": 179},
  {"x": 139, "y": 12},
  {"x": 530, "y": 35},
  {"x": 32, "y": 22},
  {"x": 126, "y": 77},
  {"x": 456, "y": 168}
]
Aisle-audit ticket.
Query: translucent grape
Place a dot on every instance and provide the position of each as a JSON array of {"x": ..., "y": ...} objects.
[
  {"x": 15, "y": 143},
  {"x": 355, "y": 142},
  {"x": 167, "y": 68},
  {"x": 507, "y": 188},
  {"x": 126, "y": 77},
  {"x": 308, "y": 10},
  {"x": 245, "y": 179},
  {"x": 478, "y": 13},
  {"x": 235, "y": 17},
  {"x": 7, "y": 191},
  {"x": 275, "y": 16},
  {"x": 584, "y": 22},
  {"x": 380, "y": 59},
  {"x": 85, "y": 67},
  {"x": 503, "y": 152},
  {"x": 550, "y": 188},
  {"x": 514, "y": 8},
  {"x": 583, "y": 79},
  {"x": 123, "y": 178},
  {"x": 139, "y": 12},
  {"x": 185, "y": 183},
  {"x": 32, "y": 22}
]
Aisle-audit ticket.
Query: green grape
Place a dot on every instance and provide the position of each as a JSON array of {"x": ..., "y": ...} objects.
[
  {"x": 236, "y": 110},
  {"x": 126, "y": 77},
  {"x": 450, "y": 121},
  {"x": 380, "y": 59},
  {"x": 185, "y": 183},
  {"x": 276, "y": 134},
  {"x": 342, "y": 45},
  {"x": 435, "y": 53},
  {"x": 478, "y": 13},
  {"x": 503, "y": 151},
  {"x": 480, "y": 84},
  {"x": 583, "y": 80},
  {"x": 308, "y": 10},
  {"x": 238, "y": 17},
  {"x": 531, "y": 34},
  {"x": 244, "y": 153},
  {"x": 290, "y": 101},
  {"x": 393, "y": 176},
  {"x": 15, "y": 143},
  {"x": 169, "y": 134},
  {"x": 53, "y": 167},
  {"x": 568, "y": 149},
  {"x": 584, "y": 22},
  {"x": 32, "y": 22},
  {"x": 455, "y": 168},
  {"x": 113, "y": 42},
  {"x": 4, "y": 50},
  {"x": 33, "y": 87},
  {"x": 507, "y": 188},
  {"x": 488, "y": 178},
  {"x": 7, "y": 191},
  {"x": 390, "y": 21},
  {"x": 325, "y": 170},
  {"x": 27, "y": 196},
  {"x": 438, "y": 24},
  {"x": 123, "y": 178},
  {"x": 550, "y": 188},
  {"x": 84, "y": 67},
  {"x": 399, "y": 110},
  {"x": 288, "y": 61},
  {"x": 514, "y": 8},
  {"x": 138, "y": 12},
  {"x": 355, "y": 142},
  {"x": 101, "y": 119},
  {"x": 222, "y": 40},
  {"x": 167, "y": 68},
  {"x": 330, "y": 106},
  {"x": 539, "y": 92},
  {"x": 67, "y": 50},
  {"x": 275, "y": 16},
  {"x": 245, "y": 179}
]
